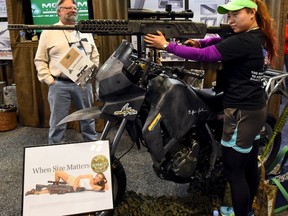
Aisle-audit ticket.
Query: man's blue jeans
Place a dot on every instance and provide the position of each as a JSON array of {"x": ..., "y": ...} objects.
[{"x": 60, "y": 96}]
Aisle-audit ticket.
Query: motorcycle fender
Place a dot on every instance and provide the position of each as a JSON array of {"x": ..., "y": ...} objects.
[{"x": 88, "y": 113}]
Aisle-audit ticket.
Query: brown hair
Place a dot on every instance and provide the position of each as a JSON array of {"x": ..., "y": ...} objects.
[
  {"x": 103, "y": 181},
  {"x": 266, "y": 24}
]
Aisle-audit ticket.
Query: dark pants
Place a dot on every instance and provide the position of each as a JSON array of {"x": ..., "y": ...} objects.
[{"x": 241, "y": 171}]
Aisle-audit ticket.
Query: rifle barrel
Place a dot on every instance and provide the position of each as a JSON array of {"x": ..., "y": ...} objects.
[
  {"x": 171, "y": 28},
  {"x": 40, "y": 27}
]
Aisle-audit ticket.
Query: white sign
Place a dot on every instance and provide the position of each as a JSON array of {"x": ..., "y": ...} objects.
[
  {"x": 67, "y": 179},
  {"x": 76, "y": 65}
]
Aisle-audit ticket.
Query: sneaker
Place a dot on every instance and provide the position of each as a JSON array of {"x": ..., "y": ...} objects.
[{"x": 227, "y": 211}]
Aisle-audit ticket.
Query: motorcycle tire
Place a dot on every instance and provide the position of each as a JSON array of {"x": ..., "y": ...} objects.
[
  {"x": 118, "y": 186},
  {"x": 265, "y": 137}
]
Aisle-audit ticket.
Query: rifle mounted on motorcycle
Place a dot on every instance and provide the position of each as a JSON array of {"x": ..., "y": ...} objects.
[{"x": 140, "y": 22}]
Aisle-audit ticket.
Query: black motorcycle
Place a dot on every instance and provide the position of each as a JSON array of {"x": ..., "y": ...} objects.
[{"x": 179, "y": 124}]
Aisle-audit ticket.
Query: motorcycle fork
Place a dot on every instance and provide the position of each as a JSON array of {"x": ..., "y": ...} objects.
[{"x": 117, "y": 136}]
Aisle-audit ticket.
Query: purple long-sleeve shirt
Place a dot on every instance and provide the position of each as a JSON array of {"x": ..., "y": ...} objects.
[
  {"x": 207, "y": 53},
  {"x": 208, "y": 41}
]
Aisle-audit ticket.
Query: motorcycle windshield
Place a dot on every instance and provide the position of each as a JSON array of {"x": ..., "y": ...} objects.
[{"x": 112, "y": 83}]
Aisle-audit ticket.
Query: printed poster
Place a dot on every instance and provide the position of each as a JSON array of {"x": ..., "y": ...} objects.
[
  {"x": 67, "y": 179},
  {"x": 5, "y": 45},
  {"x": 158, "y": 5},
  {"x": 3, "y": 9},
  {"x": 205, "y": 11}
]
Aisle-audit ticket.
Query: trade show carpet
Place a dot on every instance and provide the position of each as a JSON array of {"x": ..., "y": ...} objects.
[{"x": 142, "y": 182}]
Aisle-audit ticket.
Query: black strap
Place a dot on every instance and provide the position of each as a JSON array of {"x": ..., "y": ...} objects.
[{"x": 64, "y": 79}]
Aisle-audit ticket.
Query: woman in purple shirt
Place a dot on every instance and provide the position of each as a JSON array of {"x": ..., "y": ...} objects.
[{"x": 245, "y": 56}]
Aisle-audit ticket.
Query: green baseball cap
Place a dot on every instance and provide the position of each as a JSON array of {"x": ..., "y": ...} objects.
[{"x": 236, "y": 5}]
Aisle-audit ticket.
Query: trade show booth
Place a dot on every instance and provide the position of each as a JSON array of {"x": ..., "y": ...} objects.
[{"x": 33, "y": 109}]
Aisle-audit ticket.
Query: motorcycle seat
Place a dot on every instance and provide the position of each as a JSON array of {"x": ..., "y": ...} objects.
[
  {"x": 208, "y": 93},
  {"x": 210, "y": 97}
]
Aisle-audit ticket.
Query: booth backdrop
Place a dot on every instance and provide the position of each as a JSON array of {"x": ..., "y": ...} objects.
[{"x": 33, "y": 109}]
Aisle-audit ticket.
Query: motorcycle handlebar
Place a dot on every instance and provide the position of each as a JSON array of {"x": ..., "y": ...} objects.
[
  {"x": 273, "y": 73},
  {"x": 180, "y": 71}
]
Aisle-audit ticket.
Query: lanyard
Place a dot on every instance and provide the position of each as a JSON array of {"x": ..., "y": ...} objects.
[{"x": 80, "y": 46}]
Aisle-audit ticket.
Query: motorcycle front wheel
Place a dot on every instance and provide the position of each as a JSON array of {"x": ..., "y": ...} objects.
[{"x": 266, "y": 134}]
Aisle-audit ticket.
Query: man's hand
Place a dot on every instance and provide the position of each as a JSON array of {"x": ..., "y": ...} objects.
[{"x": 52, "y": 83}]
